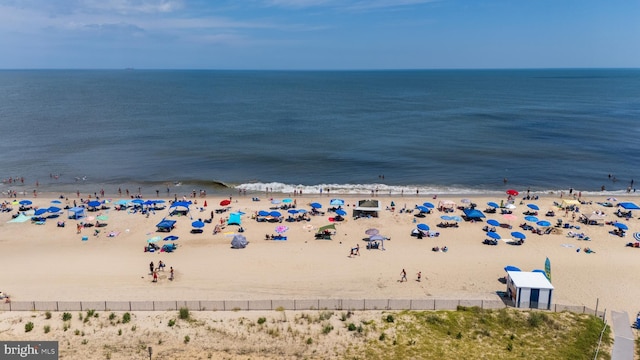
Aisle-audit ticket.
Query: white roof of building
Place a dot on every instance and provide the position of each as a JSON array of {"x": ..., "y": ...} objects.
[
  {"x": 368, "y": 205},
  {"x": 531, "y": 280}
]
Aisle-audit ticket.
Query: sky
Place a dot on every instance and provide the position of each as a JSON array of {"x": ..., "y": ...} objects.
[{"x": 319, "y": 34}]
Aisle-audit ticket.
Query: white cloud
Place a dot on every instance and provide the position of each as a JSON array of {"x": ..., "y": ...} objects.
[
  {"x": 134, "y": 6},
  {"x": 346, "y": 4},
  {"x": 298, "y": 3}
]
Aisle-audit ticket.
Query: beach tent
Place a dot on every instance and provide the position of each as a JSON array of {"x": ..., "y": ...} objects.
[
  {"x": 166, "y": 225},
  {"x": 76, "y": 213},
  {"x": 325, "y": 228},
  {"x": 367, "y": 208},
  {"x": 239, "y": 242},
  {"x": 180, "y": 208},
  {"x": 629, "y": 206},
  {"x": 234, "y": 219},
  {"x": 446, "y": 204},
  {"x": 594, "y": 219},
  {"x": 569, "y": 203}
]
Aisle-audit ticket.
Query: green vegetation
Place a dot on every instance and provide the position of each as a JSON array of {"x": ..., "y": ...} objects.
[
  {"x": 28, "y": 326},
  {"x": 184, "y": 313},
  {"x": 47, "y": 328},
  {"x": 47, "y": 315},
  {"x": 126, "y": 317},
  {"x": 262, "y": 320},
  {"x": 66, "y": 316},
  {"x": 496, "y": 334},
  {"x": 327, "y": 329}
]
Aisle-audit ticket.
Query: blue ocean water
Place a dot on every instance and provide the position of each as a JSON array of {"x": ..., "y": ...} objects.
[{"x": 437, "y": 131}]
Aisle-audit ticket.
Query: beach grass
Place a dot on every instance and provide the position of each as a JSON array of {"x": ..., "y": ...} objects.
[
  {"x": 469, "y": 332},
  {"x": 496, "y": 334}
]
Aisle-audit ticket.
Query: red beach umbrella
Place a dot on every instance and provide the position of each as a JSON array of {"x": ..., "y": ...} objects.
[
  {"x": 512, "y": 192},
  {"x": 225, "y": 202}
]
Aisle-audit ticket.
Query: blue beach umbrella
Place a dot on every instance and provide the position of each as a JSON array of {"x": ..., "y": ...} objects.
[
  {"x": 316, "y": 205},
  {"x": 423, "y": 209},
  {"x": 287, "y": 200},
  {"x": 137, "y": 201},
  {"x": 25, "y": 202},
  {"x": 263, "y": 213},
  {"x": 531, "y": 218},
  {"x": 456, "y": 218},
  {"x": 518, "y": 235},
  {"x": 54, "y": 209},
  {"x": 275, "y": 201},
  {"x": 197, "y": 224},
  {"x": 494, "y": 235},
  {"x": 445, "y": 217},
  {"x": 275, "y": 214},
  {"x": 336, "y": 202},
  {"x": 170, "y": 238},
  {"x": 40, "y": 211},
  {"x": 93, "y": 203},
  {"x": 533, "y": 206},
  {"x": 56, "y": 202},
  {"x": 473, "y": 213},
  {"x": 620, "y": 226},
  {"x": 543, "y": 223},
  {"x": 511, "y": 268},
  {"x": 424, "y": 227},
  {"x": 428, "y": 205},
  {"x": 292, "y": 211},
  {"x": 493, "y": 205},
  {"x": 341, "y": 212},
  {"x": 122, "y": 202},
  {"x": 493, "y": 222},
  {"x": 302, "y": 211}
]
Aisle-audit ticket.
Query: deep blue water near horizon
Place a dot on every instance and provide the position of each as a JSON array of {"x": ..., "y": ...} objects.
[{"x": 441, "y": 131}]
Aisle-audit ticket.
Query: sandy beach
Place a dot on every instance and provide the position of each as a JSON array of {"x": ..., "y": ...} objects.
[
  {"x": 46, "y": 262},
  {"x": 50, "y": 263}
]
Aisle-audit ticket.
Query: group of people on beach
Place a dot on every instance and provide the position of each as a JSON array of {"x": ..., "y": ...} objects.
[
  {"x": 153, "y": 271},
  {"x": 403, "y": 276}
]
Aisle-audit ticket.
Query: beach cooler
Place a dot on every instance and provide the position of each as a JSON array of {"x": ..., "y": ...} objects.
[{"x": 85, "y": 238}]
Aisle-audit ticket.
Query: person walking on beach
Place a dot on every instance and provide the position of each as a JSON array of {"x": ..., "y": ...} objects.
[
  {"x": 161, "y": 266},
  {"x": 419, "y": 276},
  {"x": 155, "y": 276},
  {"x": 171, "y": 273},
  {"x": 403, "y": 276},
  {"x": 151, "y": 268}
]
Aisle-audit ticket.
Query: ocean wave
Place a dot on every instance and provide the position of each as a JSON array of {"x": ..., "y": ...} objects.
[{"x": 382, "y": 189}]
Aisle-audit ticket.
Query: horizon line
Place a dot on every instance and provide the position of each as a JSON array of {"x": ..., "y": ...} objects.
[{"x": 317, "y": 69}]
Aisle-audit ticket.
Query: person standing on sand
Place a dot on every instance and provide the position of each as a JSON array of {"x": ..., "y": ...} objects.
[
  {"x": 403, "y": 276},
  {"x": 155, "y": 276},
  {"x": 419, "y": 275},
  {"x": 151, "y": 268},
  {"x": 171, "y": 274}
]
